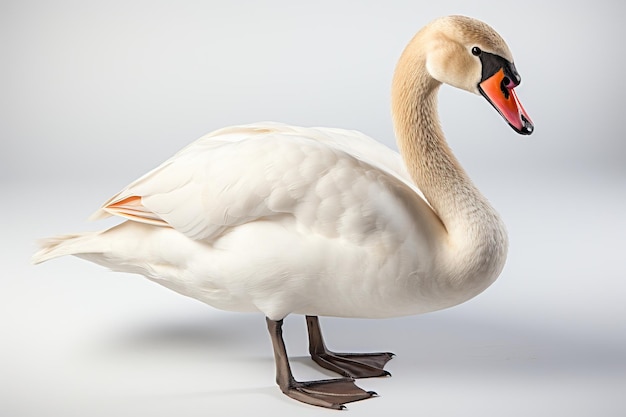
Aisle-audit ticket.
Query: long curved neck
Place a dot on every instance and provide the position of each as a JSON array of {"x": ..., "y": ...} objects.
[{"x": 476, "y": 240}]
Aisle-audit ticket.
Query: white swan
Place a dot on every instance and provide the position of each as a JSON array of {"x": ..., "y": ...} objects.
[{"x": 315, "y": 221}]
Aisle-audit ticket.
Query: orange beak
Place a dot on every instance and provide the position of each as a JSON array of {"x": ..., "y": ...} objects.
[{"x": 498, "y": 90}]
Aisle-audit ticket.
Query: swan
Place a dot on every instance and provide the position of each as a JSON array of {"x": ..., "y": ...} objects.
[{"x": 283, "y": 220}]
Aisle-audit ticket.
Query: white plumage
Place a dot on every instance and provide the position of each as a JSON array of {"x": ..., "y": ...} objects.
[
  {"x": 280, "y": 219},
  {"x": 277, "y": 219}
]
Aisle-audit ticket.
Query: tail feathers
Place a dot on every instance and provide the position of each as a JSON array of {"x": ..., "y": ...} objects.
[{"x": 53, "y": 247}]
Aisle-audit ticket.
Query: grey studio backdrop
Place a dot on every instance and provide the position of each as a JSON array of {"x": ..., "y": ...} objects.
[{"x": 94, "y": 94}]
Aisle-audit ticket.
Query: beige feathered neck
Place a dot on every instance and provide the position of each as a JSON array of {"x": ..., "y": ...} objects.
[{"x": 477, "y": 242}]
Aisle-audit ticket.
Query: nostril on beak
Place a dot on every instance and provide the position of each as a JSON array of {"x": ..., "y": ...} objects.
[{"x": 505, "y": 85}]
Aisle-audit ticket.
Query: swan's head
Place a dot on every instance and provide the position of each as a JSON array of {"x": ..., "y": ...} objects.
[{"x": 469, "y": 54}]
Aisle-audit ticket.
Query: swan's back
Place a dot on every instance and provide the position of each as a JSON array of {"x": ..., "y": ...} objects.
[{"x": 241, "y": 174}]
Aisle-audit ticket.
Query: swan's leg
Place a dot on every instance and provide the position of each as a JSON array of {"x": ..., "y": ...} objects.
[
  {"x": 330, "y": 393},
  {"x": 354, "y": 365}
]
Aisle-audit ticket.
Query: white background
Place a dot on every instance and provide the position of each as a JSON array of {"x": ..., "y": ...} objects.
[{"x": 94, "y": 94}]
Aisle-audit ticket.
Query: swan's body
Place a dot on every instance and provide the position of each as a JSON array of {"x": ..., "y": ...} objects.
[
  {"x": 283, "y": 220},
  {"x": 314, "y": 221}
]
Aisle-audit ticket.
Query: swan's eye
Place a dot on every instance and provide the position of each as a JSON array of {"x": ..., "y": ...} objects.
[{"x": 476, "y": 51}]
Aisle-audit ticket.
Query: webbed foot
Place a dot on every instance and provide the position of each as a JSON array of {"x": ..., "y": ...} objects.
[{"x": 354, "y": 365}]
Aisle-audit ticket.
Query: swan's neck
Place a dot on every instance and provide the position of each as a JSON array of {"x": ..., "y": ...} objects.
[{"x": 475, "y": 245}]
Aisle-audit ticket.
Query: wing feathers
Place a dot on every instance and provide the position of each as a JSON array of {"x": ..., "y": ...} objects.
[{"x": 243, "y": 173}]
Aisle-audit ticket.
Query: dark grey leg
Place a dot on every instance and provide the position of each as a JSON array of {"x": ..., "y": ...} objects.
[{"x": 330, "y": 393}]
